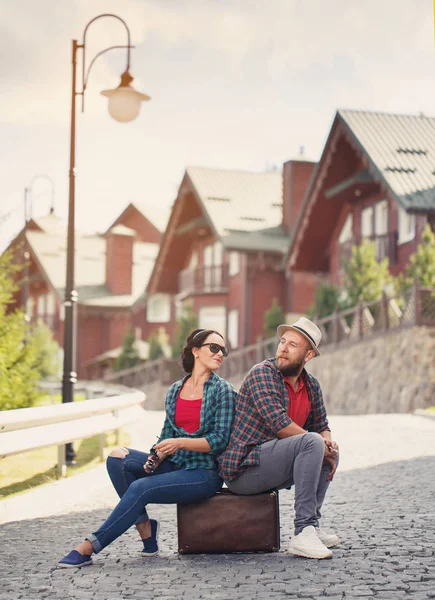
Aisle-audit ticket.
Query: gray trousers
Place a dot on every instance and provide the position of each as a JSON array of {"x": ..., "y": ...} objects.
[{"x": 296, "y": 460}]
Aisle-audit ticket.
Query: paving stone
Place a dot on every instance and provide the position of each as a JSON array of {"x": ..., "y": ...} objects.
[{"x": 366, "y": 507}]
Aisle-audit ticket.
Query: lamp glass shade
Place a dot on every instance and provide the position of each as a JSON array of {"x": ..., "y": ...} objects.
[{"x": 124, "y": 104}]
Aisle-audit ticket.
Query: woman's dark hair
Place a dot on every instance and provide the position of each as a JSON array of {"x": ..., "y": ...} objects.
[{"x": 194, "y": 340}]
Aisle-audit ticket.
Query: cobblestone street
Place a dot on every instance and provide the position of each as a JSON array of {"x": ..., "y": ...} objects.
[{"x": 384, "y": 514}]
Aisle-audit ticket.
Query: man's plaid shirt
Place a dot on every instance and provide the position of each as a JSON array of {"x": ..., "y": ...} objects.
[
  {"x": 262, "y": 411},
  {"x": 217, "y": 412}
]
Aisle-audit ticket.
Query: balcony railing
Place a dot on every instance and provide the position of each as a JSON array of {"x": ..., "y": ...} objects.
[
  {"x": 203, "y": 280},
  {"x": 386, "y": 247}
]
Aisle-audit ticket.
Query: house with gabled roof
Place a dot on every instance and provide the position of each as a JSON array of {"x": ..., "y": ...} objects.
[
  {"x": 111, "y": 272},
  {"x": 375, "y": 180},
  {"x": 223, "y": 249}
]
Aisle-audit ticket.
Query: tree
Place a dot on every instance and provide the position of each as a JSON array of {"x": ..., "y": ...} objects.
[
  {"x": 47, "y": 351},
  {"x": 364, "y": 275},
  {"x": 155, "y": 347},
  {"x": 129, "y": 356},
  {"x": 272, "y": 318},
  {"x": 187, "y": 322},
  {"x": 19, "y": 373},
  {"x": 422, "y": 263},
  {"x": 327, "y": 300}
]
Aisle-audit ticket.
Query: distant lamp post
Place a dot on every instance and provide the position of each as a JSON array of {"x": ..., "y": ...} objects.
[
  {"x": 28, "y": 210},
  {"x": 124, "y": 106}
]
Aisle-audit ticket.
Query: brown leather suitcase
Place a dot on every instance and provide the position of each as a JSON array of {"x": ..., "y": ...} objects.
[{"x": 228, "y": 522}]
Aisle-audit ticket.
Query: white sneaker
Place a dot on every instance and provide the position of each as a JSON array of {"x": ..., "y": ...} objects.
[
  {"x": 329, "y": 539},
  {"x": 308, "y": 544}
]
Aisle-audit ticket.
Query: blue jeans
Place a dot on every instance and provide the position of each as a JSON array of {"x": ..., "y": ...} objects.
[{"x": 136, "y": 488}]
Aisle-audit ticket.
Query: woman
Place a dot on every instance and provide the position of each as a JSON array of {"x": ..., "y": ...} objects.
[{"x": 181, "y": 467}]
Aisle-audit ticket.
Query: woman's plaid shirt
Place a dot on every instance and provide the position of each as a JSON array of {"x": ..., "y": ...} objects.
[
  {"x": 217, "y": 412},
  {"x": 262, "y": 411}
]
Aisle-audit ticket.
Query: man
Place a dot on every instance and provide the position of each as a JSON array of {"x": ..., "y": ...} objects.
[{"x": 280, "y": 436}]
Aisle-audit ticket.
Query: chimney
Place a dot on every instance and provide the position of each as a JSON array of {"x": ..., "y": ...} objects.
[
  {"x": 296, "y": 177},
  {"x": 119, "y": 259}
]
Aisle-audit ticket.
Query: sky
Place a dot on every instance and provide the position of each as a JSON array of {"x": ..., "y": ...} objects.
[{"x": 234, "y": 84}]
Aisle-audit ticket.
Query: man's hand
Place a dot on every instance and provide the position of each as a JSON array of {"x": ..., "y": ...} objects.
[
  {"x": 169, "y": 446},
  {"x": 333, "y": 466},
  {"x": 331, "y": 449}
]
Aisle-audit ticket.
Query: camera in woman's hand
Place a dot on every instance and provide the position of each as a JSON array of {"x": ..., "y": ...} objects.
[{"x": 151, "y": 464}]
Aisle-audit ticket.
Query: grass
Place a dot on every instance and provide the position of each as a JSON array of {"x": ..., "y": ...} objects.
[
  {"x": 23, "y": 472},
  {"x": 45, "y": 400}
]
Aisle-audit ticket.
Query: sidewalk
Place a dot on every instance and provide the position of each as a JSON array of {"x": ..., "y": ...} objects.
[
  {"x": 365, "y": 441},
  {"x": 381, "y": 503}
]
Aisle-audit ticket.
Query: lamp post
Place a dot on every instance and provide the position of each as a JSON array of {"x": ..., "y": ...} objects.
[
  {"x": 27, "y": 216},
  {"x": 124, "y": 106}
]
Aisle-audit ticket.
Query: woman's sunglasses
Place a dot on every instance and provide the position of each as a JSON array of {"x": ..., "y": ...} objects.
[{"x": 215, "y": 348}]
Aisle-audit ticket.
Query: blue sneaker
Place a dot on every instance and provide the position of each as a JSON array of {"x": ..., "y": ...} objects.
[
  {"x": 75, "y": 559},
  {"x": 150, "y": 545}
]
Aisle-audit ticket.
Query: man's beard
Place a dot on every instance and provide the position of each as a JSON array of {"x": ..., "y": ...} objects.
[{"x": 291, "y": 369}]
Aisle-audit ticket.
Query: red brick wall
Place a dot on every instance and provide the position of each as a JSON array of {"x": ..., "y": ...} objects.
[
  {"x": 146, "y": 232},
  {"x": 119, "y": 263},
  {"x": 302, "y": 290},
  {"x": 97, "y": 333},
  {"x": 296, "y": 176},
  {"x": 265, "y": 286}
]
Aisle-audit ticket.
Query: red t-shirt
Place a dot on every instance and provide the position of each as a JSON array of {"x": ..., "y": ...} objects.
[
  {"x": 188, "y": 413},
  {"x": 299, "y": 404}
]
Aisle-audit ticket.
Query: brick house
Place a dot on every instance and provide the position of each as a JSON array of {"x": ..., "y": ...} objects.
[
  {"x": 375, "y": 180},
  {"x": 223, "y": 250},
  {"x": 111, "y": 272}
]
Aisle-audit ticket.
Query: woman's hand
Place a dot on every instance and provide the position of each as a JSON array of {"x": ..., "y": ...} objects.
[
  {"x": 169, "y": 446},
  {"x": 153, "y": 461}
]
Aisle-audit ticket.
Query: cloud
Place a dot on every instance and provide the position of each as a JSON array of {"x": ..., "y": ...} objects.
[{"x": 281, "y": 38}]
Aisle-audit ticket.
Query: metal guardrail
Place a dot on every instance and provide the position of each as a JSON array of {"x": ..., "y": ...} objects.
[{"x": 57, "y": 425}]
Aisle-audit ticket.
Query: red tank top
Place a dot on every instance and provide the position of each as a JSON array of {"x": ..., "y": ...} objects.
[{"x": 188, "y": 413}]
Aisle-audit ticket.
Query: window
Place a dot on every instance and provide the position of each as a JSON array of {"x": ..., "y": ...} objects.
[
  {"x": 179, "y": 309},
  {"x": 159, "y": 308},
  {"x": 367, "y": 222},
  {"x": 346, "y": 230},
  {"x": 218, "y": 253},
  {"x": 213, "y": 259},
  {"x": 406, "y": 226},
  {"x": 50, "y": 304},
  {"x": 381, "y": 218},
  {"x": 41, "y": 305},
  {"x": 234, "y": 263},
  {"x": 233, "y": 328},
  {"x": 193, "y": 261},
  {"x": 212, "y": 317}
]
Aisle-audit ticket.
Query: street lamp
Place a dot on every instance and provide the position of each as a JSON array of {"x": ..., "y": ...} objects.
[
  {"x": 124, "y": 105},
  {"x": 28, "y": 201}
]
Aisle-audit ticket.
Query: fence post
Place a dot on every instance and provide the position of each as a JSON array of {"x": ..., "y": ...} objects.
[
  {"x": 385, "y": 316},
  {"x": 360, "y": 313},
  {"x": 61, "y": 463},
  {"x": 336, "y": 325},
  {"x": 102, "y": 443},
  {"x": 116, "y": 415}
]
